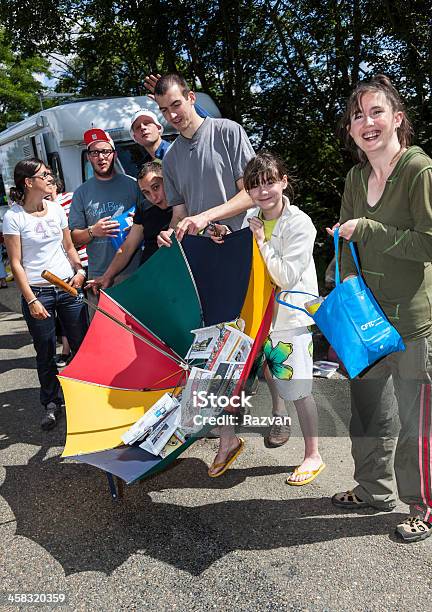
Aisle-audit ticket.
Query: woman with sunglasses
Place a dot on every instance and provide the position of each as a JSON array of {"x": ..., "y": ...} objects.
[{"x": 37, "y": 238}]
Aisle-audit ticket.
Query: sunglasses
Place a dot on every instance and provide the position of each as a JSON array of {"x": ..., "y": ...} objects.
[
  {"x": 103, "y": 152},
  {"x": 43, "y": 175}
]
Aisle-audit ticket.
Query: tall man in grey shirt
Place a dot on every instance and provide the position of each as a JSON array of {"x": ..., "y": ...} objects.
[
  {"x": 203, "y": 178},
  {"x": 203, "y": 169}
]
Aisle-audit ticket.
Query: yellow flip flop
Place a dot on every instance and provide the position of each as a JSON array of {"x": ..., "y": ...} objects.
[
  {"x": 229, "y": 460},
  {"x": 300, "y": 483}
]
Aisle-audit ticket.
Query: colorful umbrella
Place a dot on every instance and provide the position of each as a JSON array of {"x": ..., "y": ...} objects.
[{"x": 122, "y": 369}]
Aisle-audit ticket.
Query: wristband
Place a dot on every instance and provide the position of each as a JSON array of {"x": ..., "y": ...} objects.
[
  {"x": 81, "y": 271},
  {"x": 32, "y": 301},
  {"x": 90, "y": 231}
]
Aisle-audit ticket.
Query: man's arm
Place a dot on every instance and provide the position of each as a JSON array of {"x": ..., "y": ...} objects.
[
  {"x": 105, "y": 227},
  {"x": 81, "y": 232},
  {"x": 236, "y": 205},
  {"x": 179, "y": 213},
  {"x": 121, "y": 259}
]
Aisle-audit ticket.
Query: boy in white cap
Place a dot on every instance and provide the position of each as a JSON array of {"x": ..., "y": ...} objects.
[{"x": 147, "y": 131}]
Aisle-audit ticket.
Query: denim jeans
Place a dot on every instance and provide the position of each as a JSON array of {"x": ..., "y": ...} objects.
[{"x": 72, "y": 313}]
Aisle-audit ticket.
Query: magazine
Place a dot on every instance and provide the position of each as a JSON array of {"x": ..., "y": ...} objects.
[{"x": 160, "y": 410}]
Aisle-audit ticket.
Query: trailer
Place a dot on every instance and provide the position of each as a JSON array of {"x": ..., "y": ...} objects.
[{"x": 55, "y": 135}]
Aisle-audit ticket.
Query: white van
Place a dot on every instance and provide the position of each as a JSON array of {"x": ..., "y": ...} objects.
[{"x": 55, "y": 135}]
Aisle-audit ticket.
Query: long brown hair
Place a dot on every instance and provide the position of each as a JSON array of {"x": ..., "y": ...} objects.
[
  {"x": 380, "y": 83},
  {"x": 26, "y": 168}
]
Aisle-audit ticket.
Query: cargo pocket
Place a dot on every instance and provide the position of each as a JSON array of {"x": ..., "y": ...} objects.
[
  {"x": 373, "y": 280},
  {"x": 376, "y": 283}
]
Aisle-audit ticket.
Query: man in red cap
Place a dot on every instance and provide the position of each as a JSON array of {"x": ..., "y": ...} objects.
[{"x": 98, "y": 201}]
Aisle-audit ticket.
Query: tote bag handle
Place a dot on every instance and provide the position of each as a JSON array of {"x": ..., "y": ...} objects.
[
  {"x": 279, "y": 300},
  {"x": 353, "y": 253}
]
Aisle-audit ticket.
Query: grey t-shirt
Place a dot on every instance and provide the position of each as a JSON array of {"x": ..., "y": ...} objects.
[
  {"x": 95, "y": 199},
  {"x": 201, "y": 172}
]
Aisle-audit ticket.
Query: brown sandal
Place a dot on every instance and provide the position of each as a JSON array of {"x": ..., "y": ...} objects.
[
  {"x": 348, "y": 500},
  {"x": 414, "y": 529}
]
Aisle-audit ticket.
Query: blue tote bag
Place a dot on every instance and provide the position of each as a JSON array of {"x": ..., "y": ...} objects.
[{"x": 352, "y": 321}]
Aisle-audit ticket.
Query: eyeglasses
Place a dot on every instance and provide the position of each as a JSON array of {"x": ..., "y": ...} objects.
[
  {"x": 103, "y": 152},
  {"x": 43, "y": 175}
]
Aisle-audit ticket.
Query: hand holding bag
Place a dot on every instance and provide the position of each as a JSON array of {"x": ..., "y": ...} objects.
[{"x": 352, "y": 321}]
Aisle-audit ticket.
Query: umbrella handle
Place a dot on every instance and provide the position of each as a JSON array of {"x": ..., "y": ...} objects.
[{"x": 58, "y": 282}]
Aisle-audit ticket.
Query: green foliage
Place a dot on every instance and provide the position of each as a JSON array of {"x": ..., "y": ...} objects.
[{"x": 19, "y": 88}]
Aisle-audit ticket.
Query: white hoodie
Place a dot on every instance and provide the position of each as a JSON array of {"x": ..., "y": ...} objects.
[{"x": 289, "y": 260}]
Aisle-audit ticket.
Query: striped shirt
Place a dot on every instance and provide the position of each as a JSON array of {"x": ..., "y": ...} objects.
[{"x": 65, "y": 200}]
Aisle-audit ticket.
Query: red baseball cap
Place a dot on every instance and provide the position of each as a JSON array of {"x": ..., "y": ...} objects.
[{"x": 97, "y": 135}]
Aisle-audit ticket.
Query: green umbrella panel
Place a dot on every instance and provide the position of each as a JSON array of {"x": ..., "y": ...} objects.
[{"x": 163, "y": 297}]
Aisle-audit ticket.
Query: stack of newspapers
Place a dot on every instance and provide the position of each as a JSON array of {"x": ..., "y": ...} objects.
[
  {"x": 158, "y": 431},
  {"x": 222, "y": 351}
]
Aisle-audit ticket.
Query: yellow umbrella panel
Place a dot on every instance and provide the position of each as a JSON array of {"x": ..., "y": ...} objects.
[{"x": 100, "y": 415}]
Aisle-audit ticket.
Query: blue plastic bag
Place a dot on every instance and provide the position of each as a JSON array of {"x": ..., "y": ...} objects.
[
  {"x": 125, "y": 221},
  {"x": 352, "y": 321}
]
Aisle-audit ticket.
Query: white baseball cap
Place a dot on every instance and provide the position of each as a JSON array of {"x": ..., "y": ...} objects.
[{"x": 142, "y": 112}]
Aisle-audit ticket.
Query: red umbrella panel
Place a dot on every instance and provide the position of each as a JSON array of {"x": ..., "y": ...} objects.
[{"x": 111, "y": 356}]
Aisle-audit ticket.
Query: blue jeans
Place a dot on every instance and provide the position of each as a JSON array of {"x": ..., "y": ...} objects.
[{"x": 72, "y": 313}]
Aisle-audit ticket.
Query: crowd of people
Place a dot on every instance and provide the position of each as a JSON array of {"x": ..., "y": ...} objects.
[{"x": 210, "y": 180}]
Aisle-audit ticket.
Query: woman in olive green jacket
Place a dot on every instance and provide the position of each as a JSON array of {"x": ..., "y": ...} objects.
[{"x": 386, "y": 210}]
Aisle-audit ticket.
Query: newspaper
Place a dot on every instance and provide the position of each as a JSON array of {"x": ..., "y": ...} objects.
[
  {"x": 232, "y": 346},
  {"x": 199, "y": 380},
  {"x": 152, "y": 417},
  {"x": 202, "y": 384},
  {"x": 177, "y": 439},
  {"x": 324, "y": 369},
  {"x": 225, "y": 350},
  {"x": 205, "y": 339},
  {"x": 225, "y": 377},
  {"x": 233, "y": 376},
  {"x": 162, "y": 432}
]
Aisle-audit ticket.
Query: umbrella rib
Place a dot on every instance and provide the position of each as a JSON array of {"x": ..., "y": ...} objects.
[
  {"x": 179, "y": 361},
  {"x": 193, "y": 280},
  {"x": 112, "y": 387}
]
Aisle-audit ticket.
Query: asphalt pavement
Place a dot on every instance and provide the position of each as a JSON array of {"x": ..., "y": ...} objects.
[{"x": 182, "y": 541}]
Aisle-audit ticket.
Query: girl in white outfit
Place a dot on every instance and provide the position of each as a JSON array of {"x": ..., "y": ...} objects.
[{"x": 285, "y": 236}]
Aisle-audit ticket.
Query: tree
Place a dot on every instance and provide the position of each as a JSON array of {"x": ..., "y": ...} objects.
[
  {"x": 19, "y": 88},
  {"x": 282, "y": 68}
]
